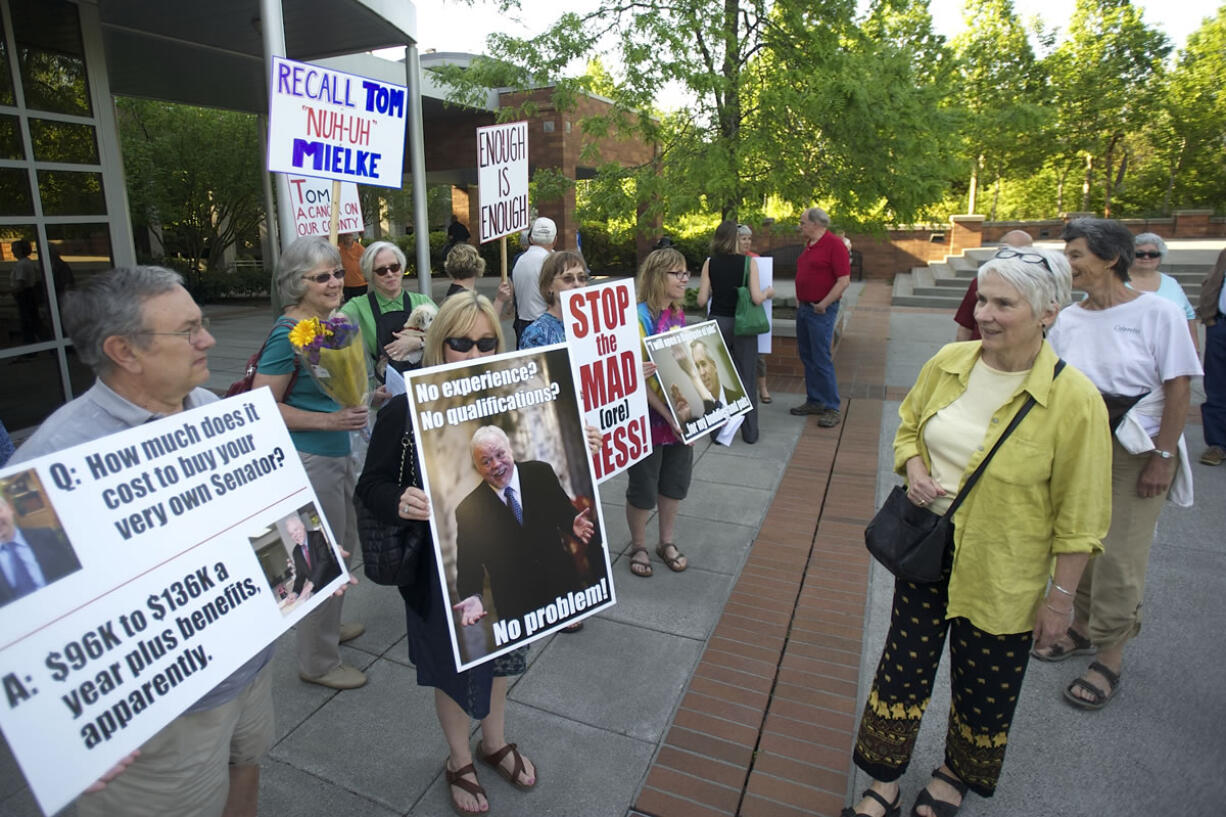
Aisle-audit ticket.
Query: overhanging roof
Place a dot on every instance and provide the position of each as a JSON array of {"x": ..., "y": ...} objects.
[{"x": 211, "y": 52}]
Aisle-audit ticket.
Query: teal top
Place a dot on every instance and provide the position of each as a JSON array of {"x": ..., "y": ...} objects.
[{"x": 279, "y": 358}]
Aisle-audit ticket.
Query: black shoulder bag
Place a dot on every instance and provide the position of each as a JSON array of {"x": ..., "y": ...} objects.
[
  {"x": 908, "y": 540},
  {"x": 391, "y": 553}
]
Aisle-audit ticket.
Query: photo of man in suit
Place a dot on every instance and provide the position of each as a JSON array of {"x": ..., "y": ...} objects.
[
  {"x": 708, "y": 373},
  {"x": 314, "y": 563},
  {"x": 30, "y": 558},
  {"x": 514, "y": 527}
]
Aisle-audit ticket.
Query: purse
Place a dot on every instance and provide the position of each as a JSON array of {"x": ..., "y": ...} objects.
[
  {"x": 391, "y": 553},
  {"x": 908, "y": 540},
  {"x": 750, "y": 317}
]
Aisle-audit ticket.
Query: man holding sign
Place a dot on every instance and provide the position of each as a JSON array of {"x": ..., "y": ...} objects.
[{"x": 147, "y": 343}]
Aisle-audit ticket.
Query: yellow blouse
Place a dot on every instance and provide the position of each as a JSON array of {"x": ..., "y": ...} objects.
[{"x": 1046, "y": 492}]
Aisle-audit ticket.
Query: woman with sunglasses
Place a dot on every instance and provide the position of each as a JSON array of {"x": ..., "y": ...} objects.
[
  {"x": 382, "y": 311},
  {"x": 1144, "y": 276},
  {"x": 563, "y": 270},
  {"x": 722, "y": 274},
  {"x": 1021, "y": 536},
  {"x": 310, "y": 279},
  {"x": 1135, "y": 347}
]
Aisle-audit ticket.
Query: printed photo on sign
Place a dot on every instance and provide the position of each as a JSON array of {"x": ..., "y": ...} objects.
[
  {"x": 135, "y": 586},
  {"x": 700, "y": 384},
  {"x": 296, "y": 555},
  {"x": 518, "y": 531},
  {"x": 602, "y": 335}
]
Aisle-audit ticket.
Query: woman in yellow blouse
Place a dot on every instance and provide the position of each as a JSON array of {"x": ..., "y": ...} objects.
[{"x": 1021, "y": 537}]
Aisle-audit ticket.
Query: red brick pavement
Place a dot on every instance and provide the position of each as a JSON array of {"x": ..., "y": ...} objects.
[{"x": 765, "y": 728}]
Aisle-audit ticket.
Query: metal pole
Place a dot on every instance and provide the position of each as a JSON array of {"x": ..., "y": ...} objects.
[
  {"x": 417, "y": 167},
  {"x": 271, "y": 246},
  {"x": 272, "y": 29}
]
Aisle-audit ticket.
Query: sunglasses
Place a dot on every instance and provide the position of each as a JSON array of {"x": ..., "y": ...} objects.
[
  {"x": 325, "y": 277},
  {"x": 463, "y": 345},
  {"x": 570, "y": 278},
  {"x": 384, "y": 270},
  {"x": 1028, "y": 257},
  {"x": 1148, "y": 254}
]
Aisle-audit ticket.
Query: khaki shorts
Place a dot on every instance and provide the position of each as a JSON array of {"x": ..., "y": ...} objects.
[{"x": 184, "y": 770}]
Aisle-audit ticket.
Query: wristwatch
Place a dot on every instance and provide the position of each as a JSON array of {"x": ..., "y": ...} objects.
[{"x": 1166, "y": 455}]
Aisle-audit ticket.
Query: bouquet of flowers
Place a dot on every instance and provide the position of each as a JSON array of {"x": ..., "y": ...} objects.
[{"x": 332, "y": 351}]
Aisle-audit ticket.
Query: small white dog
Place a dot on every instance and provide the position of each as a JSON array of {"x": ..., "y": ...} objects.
[{"x": 419, "y": 321}]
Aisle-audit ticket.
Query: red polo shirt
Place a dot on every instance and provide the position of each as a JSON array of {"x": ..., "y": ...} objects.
[{"x": 821, "y": 263}]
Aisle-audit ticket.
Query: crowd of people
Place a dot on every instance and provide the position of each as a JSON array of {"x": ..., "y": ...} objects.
[{"x": 1045, "y": 557}]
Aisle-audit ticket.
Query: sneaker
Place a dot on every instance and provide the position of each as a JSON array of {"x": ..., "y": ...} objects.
[
  {"x": 342, "y": 676},
  {"x": 1214, "y": 455},
  {"x": 351, "y": 631},
  {"x": 829, "y": 418},
  {"x": 807, "y": 408}
]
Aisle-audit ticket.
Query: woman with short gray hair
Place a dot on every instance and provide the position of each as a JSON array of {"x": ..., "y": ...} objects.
[
  {"x": 310, "y": 279},
  {"x": 381, "y": 313},
  {"x": 1143, "y": 275}
]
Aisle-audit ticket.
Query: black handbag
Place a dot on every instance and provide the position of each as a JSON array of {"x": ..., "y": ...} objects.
[
  {"x": 908, "y": 540},
  {"x": 391, "y": 553}
]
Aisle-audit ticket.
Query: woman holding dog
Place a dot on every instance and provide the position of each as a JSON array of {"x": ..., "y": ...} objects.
[{"x": 382, "y": 311}]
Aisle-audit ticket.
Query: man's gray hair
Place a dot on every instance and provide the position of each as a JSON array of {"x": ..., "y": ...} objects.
[
  {"x": 113, "y": 304},
  {"x": 1043, "y": 283},
  {"x": 299, "y": 258},
  {"x": 367, "y": 263},
  {"x": 488, "y": 434},
  {"x": 816, "y": 215},
  {"x": 1151, "y": 238}
]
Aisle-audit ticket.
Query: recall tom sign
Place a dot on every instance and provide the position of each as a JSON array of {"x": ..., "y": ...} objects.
[{"x": 502, "y": 178}]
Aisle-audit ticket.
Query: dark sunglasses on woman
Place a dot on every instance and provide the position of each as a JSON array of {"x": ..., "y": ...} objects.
[
  {"x": 384, "y": 270},
  {"x": 325, "y": 277},
  {"x": 1148, "y": 254},
  {"x": 462, "y": 345}
]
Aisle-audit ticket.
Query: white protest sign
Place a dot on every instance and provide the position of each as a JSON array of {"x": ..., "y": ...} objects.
[
  {"x": 514, "y": 568},
  {"x": 602, "y": 333},
  {"x": 167, "y": 552},
  {"x": 766, "y": 278},
  {"x": 311, "y": 201},
  {"x": 333, "y": 125},
  {"x": 502, "y": 179},
  {"x": 700, "y": 383}
]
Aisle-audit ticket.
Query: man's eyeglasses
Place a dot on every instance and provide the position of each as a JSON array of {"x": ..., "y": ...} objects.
[
  {"x": 463, "y": 345},
  {"x": 1148, "y": 254},
  {"x": 192, "y": 333},
  {"x": 384, "y": 270},
  {"x": 325, "y": 277},
  {"x": 1028, "y": 257},
  {"x": 572, "y": 277},
  {"x": 683, "y": 274}
]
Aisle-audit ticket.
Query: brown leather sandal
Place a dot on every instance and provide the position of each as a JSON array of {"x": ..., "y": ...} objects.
[
  {"x": 494, "y": 760},
  {"x": 641, "y": 569},
  {"x": 676, "y": 563},
  {"x": 457, "y": 779}
]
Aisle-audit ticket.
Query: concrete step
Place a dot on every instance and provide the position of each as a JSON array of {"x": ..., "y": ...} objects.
[
  {"x": 907, "y": 294},
  {"x": 944, "y": 275}
]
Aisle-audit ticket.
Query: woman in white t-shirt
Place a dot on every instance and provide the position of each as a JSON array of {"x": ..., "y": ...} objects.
[
  {"x": 1135, "y": 347},
  {"x": 1144, "y": 276}
]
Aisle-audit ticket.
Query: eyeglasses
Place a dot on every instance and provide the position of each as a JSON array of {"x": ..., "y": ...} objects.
[
  {"x": 571, "y": 277},
  {"x": 683, "y": 274},
  {"x": 325, "y": 277},
  {"x": 1148, "y": 254},
  {"x": 192, "y": 333},
  {"x": 384, "y": 270},
  {"x": 1028, "y": 257},
  {"x": 463, "y": 345}
]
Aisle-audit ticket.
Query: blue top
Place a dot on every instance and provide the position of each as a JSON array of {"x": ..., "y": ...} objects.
[
  {"x": 1170, "y": 289},
  {"x": 543, "y": 331},
  {"x": 278, "y": 358}
]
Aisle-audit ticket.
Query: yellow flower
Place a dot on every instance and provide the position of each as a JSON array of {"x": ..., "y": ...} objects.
[{"x": 304, "y": 332}]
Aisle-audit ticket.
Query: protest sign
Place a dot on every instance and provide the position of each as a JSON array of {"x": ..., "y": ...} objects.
[
  {"x": 502, "y": 179},
  {"x": 602, "y": 333},
  {"x": 766, "y": 278},
  {"x": 311, "y": 201},
  {"x": 167, "y": 552},
  {"x": 514, "y": 566},
  {"x": 334, "y": 125},
  {"x": 700, "y": 384}
]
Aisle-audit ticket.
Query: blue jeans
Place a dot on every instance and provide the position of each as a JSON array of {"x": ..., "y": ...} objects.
[
  {"x": 814, "y": 333},
  {"x": 1213, "y": 410}
]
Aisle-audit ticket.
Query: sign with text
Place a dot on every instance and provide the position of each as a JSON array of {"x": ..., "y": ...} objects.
[
  {"x": 518, "y": 531},
  {"x": 602, "y": 334},
  {"x": 502, "y": 179},
  {"x": 334, "y": 125},
  {"x": 766, "y": 279},
  {"x": 311, "y": 200},
  {"x": 700, "y": 384},
  {"x": 159, "y": 560}
]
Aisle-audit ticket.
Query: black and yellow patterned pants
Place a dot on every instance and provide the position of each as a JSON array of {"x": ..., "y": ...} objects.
[{"x": 986, "y": 674}]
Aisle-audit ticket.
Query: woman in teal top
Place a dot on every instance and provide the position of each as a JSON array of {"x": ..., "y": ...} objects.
[
  {"x": 310, "y": 279},
  {"x": 1144, "y": 276},
  {"x": 383, "y": 264}
]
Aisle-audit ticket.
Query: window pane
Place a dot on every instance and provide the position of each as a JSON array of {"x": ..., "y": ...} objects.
[
  {"x": 23, "y": 302},
  {"x": 78, "y": 252},
  {"x": 15, "y": 198},
  {"x": 10, "y": 139},
  {"x": 67, "y": 193},
  {"x": 51, "y": 56},
  {"x": 6, "y": 77},
  {"x": 63, "y": 142},
  {"x": 32, "y": 390}
]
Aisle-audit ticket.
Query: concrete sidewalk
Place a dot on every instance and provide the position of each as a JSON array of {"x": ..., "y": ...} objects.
[{"x": 735, "y": 687}]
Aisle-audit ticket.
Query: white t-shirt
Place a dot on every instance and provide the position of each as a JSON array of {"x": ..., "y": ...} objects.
[
  {"x": 1131, "y": 349},
  {"x": 526, "y": 277}
]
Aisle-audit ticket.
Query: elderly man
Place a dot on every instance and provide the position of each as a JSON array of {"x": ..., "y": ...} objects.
[
  {"x": 708, "y": 373},
  {"x": 147, "y": 343},
  {"x": 30, "y": 558},
  {"x": 514, "y": 527},
  {"x": 968, "y": 329},
  {"x": 314, "y": 564},
  {"x": 526, "y": 276},
  {"x": 823, "y": 272}
]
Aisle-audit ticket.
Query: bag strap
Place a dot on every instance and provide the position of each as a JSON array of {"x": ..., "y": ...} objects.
[
  {"x": 293, "y": 375},
  {"x": 406, "y": 442},
  {"x": 745, "y": 277},
  {"x": 374, "y": 306},
  {"x": 1017, "y": 419}
]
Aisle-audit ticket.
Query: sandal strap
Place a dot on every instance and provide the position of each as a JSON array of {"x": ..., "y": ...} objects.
[
  {"x": 460, "y": 781},
  {"x": 1097, "y": 695},
  {"x": 884, "y": 804},
  {"x": 495, "y": 759},
  {"x": 1112, "y": 677},
  {"x": 951, "y": 780},
  {"x": 1080, "y": 642}
]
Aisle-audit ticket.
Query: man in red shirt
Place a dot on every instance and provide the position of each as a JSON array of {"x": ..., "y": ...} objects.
[{"x": 823, "y": 272}]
